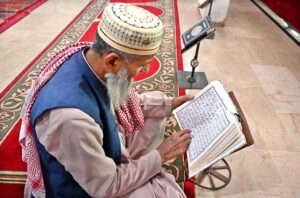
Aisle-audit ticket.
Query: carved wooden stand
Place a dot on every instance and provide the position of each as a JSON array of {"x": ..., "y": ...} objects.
[{"x": 214, "y": 177}]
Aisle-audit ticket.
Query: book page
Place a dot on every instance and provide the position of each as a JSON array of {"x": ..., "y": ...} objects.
[{"x": 206, "y": 117}]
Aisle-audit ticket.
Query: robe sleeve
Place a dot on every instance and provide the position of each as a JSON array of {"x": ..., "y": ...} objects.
[
  {"x": 76, "y": 140},
  {"x": 155, "y": 104}
]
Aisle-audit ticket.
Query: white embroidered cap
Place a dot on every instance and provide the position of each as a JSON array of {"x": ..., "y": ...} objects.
[{"x": 130, "y": 29}]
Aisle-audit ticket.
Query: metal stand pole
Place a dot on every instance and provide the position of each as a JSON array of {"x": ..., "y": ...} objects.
[
  {"x": 194, "y": 64},
  {"x": 194, "y": 80}
]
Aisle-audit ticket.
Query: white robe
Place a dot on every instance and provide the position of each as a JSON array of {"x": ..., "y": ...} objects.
[{"x": 75, "y": 140}]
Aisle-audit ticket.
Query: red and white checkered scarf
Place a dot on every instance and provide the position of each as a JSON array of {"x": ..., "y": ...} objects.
[{"x": 130, "y": 117}]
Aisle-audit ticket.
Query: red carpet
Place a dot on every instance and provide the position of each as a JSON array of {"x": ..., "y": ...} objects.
[
  {"x": 162, "y": 76},
  {"x": 289, "y": 10},
  {"x": 14, "y": 10}
]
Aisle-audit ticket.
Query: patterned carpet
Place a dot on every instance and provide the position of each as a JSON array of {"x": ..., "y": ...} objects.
[
  {"x": 162, "y": 76},
  {"x": 11, "y": 11}
]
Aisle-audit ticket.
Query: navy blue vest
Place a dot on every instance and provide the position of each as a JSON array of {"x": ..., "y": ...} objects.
[{"x": 74, "y": 86}]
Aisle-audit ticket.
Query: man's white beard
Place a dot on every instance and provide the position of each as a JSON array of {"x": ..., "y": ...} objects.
[{"x": 118, "y": 86}]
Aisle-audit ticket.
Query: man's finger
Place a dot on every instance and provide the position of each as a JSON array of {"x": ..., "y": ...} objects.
[
  {"x": 189, "y": 97},
  {"x": 182, "y": 132},
  {"x": 185, "y": 137}
]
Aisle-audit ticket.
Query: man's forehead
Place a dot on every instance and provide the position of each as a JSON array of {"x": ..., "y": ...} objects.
[{"x": 146, "y": 59}]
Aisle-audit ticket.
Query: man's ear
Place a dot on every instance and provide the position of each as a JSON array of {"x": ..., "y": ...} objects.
[{"x": 113, "y": 62}]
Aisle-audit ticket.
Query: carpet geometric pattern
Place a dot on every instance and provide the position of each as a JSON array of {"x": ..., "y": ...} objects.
[
  {"x": 82, "y": 28},
  {"x": 11, "y": 11}
]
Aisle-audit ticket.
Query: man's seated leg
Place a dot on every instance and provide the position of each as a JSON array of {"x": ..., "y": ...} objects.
[
  {"x": 161, "y": 186},
  {"x": 148, "y": 139}
]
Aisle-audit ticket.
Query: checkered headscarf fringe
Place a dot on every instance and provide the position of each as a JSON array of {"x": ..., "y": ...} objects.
[{"x": 130, "y": 115}]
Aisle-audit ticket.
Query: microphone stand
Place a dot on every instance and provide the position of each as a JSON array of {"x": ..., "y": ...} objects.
[{"x": 194, "y": 80}]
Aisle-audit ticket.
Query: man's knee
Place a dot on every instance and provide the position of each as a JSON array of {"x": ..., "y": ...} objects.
[{"x": 158, "y": 137}]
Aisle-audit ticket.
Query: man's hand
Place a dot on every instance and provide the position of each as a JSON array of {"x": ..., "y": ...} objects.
[
  {"x": 177, "y": 101},
  {"x": 174, "y": 145}
]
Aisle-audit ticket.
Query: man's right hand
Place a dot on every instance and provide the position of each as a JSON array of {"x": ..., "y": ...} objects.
[{"x": 174, "y": 145}]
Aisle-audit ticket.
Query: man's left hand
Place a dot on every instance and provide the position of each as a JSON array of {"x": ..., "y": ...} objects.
[{"x": 177, "y": 101}]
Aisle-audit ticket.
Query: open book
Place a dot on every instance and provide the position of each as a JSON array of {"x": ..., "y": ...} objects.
[{"x": 215, "y": 126}]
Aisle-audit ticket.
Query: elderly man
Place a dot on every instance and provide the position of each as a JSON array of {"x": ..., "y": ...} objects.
[{"x": 85, "y": 132}]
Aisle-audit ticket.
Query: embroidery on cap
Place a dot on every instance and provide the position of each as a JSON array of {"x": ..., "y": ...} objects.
[{"x": 146, "y": 42}]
